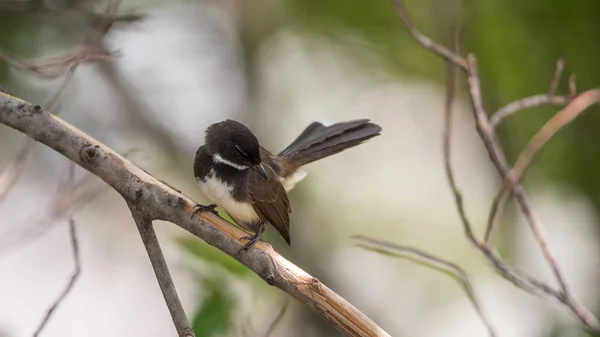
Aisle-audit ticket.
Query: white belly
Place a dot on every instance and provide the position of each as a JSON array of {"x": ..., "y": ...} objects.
[{"x": 221, "y": 194}]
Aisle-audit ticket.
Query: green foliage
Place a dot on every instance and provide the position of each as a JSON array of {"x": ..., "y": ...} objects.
[
  {"x": 370, "y": 29},
  {"x": 214, "y": 315}
]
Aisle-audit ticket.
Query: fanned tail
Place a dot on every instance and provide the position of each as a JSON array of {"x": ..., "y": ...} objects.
[{"x": 318, "y": 141}]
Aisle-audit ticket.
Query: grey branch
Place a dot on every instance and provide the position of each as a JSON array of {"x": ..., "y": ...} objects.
[
  {"x": 435, "y": 262},
  {"x": 489, "y": 138},
  {"x": 558, "y": 70},
  {"x": 278, "y": 318},
  {"x": 526, "y": 103},
  {"x": 72, "y": 280},
  {"x": 157, "y": 201},
  {"x": 161, "y": 270}
]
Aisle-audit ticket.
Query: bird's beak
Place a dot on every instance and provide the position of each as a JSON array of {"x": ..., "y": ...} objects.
[{"x": 261, "y": 170}]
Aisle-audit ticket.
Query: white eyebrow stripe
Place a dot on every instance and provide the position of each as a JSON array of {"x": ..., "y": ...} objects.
[
  {"x": 217, "y": 159},
  {"x": 245, "y": 154}
]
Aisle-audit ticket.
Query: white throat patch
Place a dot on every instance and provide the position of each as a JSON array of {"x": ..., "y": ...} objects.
[{"x": 220, "y": 160}]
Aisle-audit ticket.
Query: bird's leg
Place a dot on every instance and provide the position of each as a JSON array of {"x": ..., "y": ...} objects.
[
  {"x": 205, "y": 208},
  {"x": 252, "y": 240}
]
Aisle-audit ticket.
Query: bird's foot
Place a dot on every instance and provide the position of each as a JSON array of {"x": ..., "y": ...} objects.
[
  {"x": 205, "y": 208},
  {"x": 252, "y": 240}
]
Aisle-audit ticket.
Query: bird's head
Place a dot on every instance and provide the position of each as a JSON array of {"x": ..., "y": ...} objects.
[{"x": 231, "y": 143}]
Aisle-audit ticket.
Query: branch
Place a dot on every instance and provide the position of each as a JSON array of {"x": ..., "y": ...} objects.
[
  {"x": 562, "y": 118},
  {"x": 488, "y": 136},
  {"x": 526, "y": 103},
  {"x": 560, "y": 66},
  {"x": 157, "y": 201},
  {"x": 434, "y": 262},
  {"x": 277, "y": 319},
  {"x": 72, "y": 280},
  {"x": 161, "y": 270},
  {"x": 565, "y": 116},
  {"x": 426, "y": 42}
]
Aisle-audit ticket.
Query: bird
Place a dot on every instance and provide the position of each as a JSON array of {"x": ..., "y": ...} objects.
[{"x": 251, "y": 184}]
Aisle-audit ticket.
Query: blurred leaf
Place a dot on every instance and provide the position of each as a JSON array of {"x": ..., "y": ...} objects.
[
  {"x": 214, "y": 315},
  {"x": 372, "y": 31},
  {"x": 212, "y": 254}
]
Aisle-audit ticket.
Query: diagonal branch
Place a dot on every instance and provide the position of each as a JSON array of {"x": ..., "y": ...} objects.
[
  {"x": 158, "y": 201},
  {"x": 434, "y": 262},
  {"x": 426, "y": 42},
  {"x": 526, "y": 103},
  {"x": 574, "y": 109},
  {"x": 161, "y": 270},
  {"x": 72, "y": 280},
  {"x": 561, "y": 119},
  {"x": 489, "y": 138},
  {"x": 278, "y": 318},
  {"x": 492, "y": 144},
  {"x": 558, "y": 70}
]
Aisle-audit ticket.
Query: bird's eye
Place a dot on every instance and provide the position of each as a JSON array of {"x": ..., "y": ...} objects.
[{"x": 236, "y": 155}]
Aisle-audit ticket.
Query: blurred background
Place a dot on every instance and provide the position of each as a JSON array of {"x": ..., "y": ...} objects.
[{"x": 179, "y": 66}]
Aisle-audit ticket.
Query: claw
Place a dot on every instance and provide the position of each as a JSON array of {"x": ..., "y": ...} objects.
[
  {"x": 205, "y": 208},
  {"x": 252, "y": 240}
]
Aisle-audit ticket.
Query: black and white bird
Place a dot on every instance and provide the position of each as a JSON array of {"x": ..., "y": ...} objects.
[{"x": 237, "y": 174}]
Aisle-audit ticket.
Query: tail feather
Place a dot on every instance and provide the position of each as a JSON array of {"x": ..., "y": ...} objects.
[{"x": 318, "y": 141}]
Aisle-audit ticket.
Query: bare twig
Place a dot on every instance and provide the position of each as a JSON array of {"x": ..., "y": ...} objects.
[
  {"x": 450, "y": 94},
  {"x": 499, "y": 202},
  {"x": 487, "y": 133},
  {"x": 68, "y": 198},
  {"x": 572, "y": 86},
  {"x": 526, "y": 103},
  {"x": 161, "y": 270},
  {"x": 488, "y": 136},
  {"x": 555, "y": 124},
  {"x": 514, "y": 276},
  {"x": 560, "y": 66},
  {"x": 11, "y": 173},
  {"x": 426, "y": 42},
  {"x": 496, "y": 211},
  {"x": 70, "y": 284},
  {"x": 432, "y": 261},
  {"x": 53, "y": 67},
  {"x": 577, "y": 106},
  {"x": 278, "y": 318}
]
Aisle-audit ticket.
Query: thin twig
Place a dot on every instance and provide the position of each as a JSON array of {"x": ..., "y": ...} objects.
[
  {"x": 11, "y": 173},
  {"x": 426, "y": 42},
  {"x": 161, "y": 270},
  {"x": 435, "y": 262},
  {"x": 560, "y": 66},
  {"x": 565, "y": 116},
  {"x": 447, "y": 154},
  {"x": 514, "y": 276},
  {"x": 526, "y": 103},
  {"x": 496, "y": 211},
  {"x": 68, "y": 198},
  {"x": 499, "y": 202},
  {"x": 572, "y": 86},
  {"x": 490, "y": 140},
  {"x": 488, "y": 136},
  {"x": 278, "y": 318},
  {"x": 70, "y": 284}
]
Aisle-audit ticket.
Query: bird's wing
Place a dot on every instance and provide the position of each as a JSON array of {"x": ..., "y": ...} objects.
[{"x": 270, "y": 201}]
